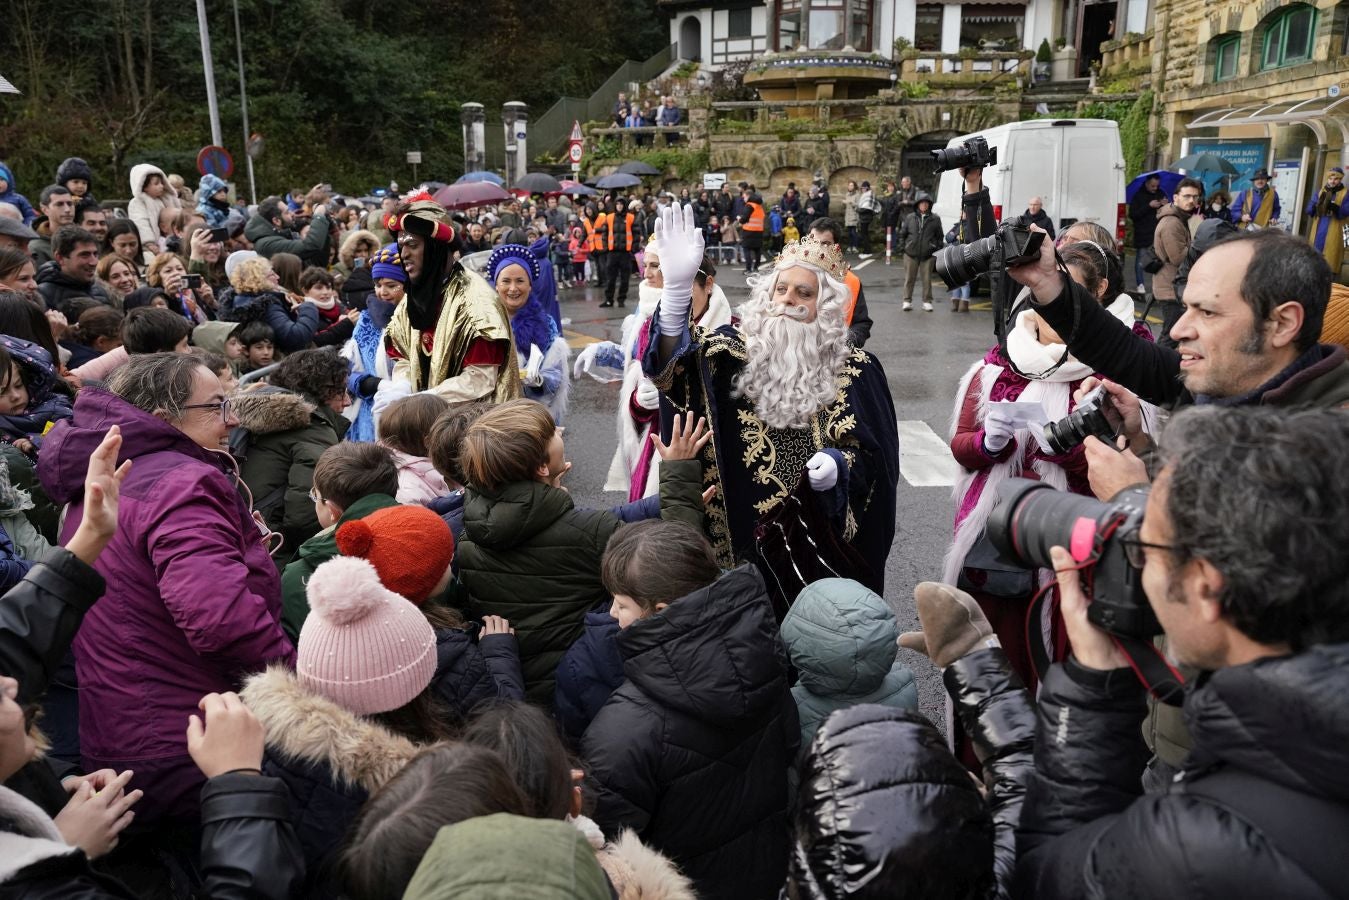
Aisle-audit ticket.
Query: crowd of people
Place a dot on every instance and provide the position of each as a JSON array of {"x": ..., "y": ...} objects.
[{"x": 297, "y": 604}]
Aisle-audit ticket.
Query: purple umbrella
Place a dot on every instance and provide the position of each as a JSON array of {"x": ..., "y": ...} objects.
[{"x": 477, "y": 193}]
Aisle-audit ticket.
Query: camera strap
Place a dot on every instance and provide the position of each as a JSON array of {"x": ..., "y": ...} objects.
[{"x": 1000, "y": 322}]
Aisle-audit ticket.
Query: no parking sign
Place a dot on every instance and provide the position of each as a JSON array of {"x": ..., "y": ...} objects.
[{"x": 216, "y": 161}]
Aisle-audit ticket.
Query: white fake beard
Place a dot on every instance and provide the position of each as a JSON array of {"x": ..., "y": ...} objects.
[{"x": 792, "y": 367}]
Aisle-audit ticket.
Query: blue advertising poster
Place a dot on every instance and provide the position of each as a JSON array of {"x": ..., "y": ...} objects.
[{"x": 1249, "y": 155}]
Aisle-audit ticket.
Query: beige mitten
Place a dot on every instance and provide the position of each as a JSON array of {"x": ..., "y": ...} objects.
[{"x": 953, "y": 624}]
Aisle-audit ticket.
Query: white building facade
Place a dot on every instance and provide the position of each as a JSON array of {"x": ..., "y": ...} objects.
[{"x": 717, "y": 33}]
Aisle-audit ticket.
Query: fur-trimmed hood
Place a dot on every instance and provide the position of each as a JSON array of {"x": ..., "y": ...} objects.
[
  {"x": 636, "y": 871},
  {"x": 27, "y": 835},
  {"x": 271, "y": 410},
  {"x": 303, "y": 727}
]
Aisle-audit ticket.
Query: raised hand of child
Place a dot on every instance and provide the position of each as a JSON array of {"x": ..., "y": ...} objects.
[
  {"x": 230, "y": 738},
  {"x": 686, "y": 439}
]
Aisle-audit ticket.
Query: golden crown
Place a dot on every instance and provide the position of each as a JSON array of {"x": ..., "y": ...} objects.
[{"x": 810, "y": 251}]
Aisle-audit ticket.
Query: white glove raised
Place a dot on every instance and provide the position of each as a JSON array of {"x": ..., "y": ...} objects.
[
  {"x": 998, "y": 431},
  {"x": 679, "y": 242},
  {"x": 820, "y": 468},
  {"x": 533, "y": 374},
  {"x": 647, "y": 394}
]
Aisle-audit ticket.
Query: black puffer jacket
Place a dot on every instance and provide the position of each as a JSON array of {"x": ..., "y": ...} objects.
[
  {"x": 1087, "y": 832},
  {"x": 879, "y": 784},
  {"x": 248, "y": 848},
  {"x": 56, "y": 287},
  {"x": 472, "y": 672},
  {"x": 293, "y": 329},
  {"x": 692, "y": 751}
]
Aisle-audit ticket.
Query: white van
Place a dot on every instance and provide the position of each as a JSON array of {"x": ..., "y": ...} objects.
[{"x": 1076, "y": 166}]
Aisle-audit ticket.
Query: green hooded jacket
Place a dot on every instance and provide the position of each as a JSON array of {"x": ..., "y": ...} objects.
[
  {"x": 841, "y": 638},
  {"x": 529, "y": 555},
  {"x": 506, "y": 857},
  {"x": 311, "y": 554}
]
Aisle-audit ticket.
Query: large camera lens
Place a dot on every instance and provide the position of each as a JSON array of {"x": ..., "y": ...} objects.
[
  {"x": 959, "y": 264},
  {"x": 952, "y": 158},
  {"x": 1074, "y": 428},
  {"x": 1031, "y": 517}
]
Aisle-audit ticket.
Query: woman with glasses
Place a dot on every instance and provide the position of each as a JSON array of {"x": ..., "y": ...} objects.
[
  {"x": 283, "y": 430},
  {"x": 193, "y": 601}
]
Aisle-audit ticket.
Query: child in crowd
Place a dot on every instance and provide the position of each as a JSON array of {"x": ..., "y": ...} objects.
[
  {"x": 730, "y": 240},
  {"x": 528, "y": 554},
  {"x": 97, "y": 330},
  {"x": 411, "y": 549},
  {"x": 10, "y": 194},
  {"x": 580, "y": 252},
  {"x": 259, "y": 344},
  {"x": 365, "y": 350},
  {"x": 30, "y": 404},
  {"x": 404, "y": 427},
  {"x": 335, "y": 323},
  {"x": 351, "y": 480},
  {"x": 790, "y": 233},
  {"x": 221, "y": 338},
  {"x": 220, "y": 366},
  {"x": 444, "y": 447},
  {"x": 841, "y": 638},
  {"x": 357, "y": 708},
  {"x": 706, "y": 712}
]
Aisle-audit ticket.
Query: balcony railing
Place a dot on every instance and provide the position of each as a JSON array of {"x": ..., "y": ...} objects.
[
  {"x": 647, "y": 136},
  {"x": 964, "y": 69},
  {"x": 1127, "y": 56}
]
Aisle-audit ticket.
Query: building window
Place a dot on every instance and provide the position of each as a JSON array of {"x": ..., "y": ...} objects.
[
  {"x": 739, "y": 23},
  {"x": 1225, "y": 57},
  {"x": 927, "y": 27},
  {"x": 1288, "y": 37},
  {"x": 825, "y": 26},
  {"x": 992, "y": 27}
]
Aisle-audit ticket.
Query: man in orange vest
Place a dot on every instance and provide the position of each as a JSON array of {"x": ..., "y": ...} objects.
[
  {"x": 751, "y": 230},
  {"x": 617, "y": 231},
  {"x": 827, "y": 231}
]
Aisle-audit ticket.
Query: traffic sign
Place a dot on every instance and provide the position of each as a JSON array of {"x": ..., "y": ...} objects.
[
  {"x": 574, "y": 153},
  {"x": 576, "y": 168},
  {"x": 213, "y": 160},
  {"x": 414, "y": 157},
  {"x": 576, "y": 136}
]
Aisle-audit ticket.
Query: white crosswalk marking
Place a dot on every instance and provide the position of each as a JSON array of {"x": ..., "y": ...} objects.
[
  {"x": 924, "y": 458},
  {"x": 863, "y": 264}
]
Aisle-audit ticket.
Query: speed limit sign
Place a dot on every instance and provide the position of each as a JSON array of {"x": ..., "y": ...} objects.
[{"x": 574, "y": 152}]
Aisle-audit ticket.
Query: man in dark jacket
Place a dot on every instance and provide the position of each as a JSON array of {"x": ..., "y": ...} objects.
[
  {"x": 270, "y": 232},
  {"x": 920, "y": 237},
  {"x": 898, "y": 207},
  {"x": 1035, "y": 215},
  {"x": 1248, "y": 578},
  {"x": 72, "y": 271},
  {"x": 1143, "y": 213},
  {"x": 1171, "y": 242}
]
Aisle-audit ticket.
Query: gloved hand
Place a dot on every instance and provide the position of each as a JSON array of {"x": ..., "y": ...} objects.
[
  {"x": 679, "y": 242},
  {"x": 533, "y": 373},
  {"x": 953, "y": 624},
  {"x": 647, "y": 394},
  {"x": 820, "y": 468},
  {"x": 998, "y": 430},
  {"x": 389, "y": 391}
]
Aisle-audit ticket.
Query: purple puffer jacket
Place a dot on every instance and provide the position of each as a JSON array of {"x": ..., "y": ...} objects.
[{"x": 193, "y": 601}]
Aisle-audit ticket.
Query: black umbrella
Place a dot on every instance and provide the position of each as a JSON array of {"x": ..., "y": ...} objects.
[
  {"x": 1205, "y": 162},
  {"x": 538, "y": 183},
  {"x": 637, "y": 167},
  {"x": 618, "y": 180}
]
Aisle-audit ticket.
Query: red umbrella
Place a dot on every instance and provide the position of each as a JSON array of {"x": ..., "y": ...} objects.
[
  {"x": 463, "y": 196},
  {"x": 575, "y": 188}
]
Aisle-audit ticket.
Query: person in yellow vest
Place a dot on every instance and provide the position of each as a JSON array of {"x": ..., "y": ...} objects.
[
  {"x": 752, "y": 231},
  {"x": 617, "y": 229},
  {"x": 1258, "y": 206},
  {"x": 828, "y": 232},
  {"x": 1329, "y": 210}
]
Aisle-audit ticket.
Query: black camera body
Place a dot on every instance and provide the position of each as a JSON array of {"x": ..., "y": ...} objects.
[
  {"x": 1088, "y": 419},
  {"x": 1031, "y": 517},
  {"x": 972, "y": 154},
  {"x": 1012, "y": 245}
]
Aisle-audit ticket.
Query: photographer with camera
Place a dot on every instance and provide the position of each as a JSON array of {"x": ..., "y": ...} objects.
[{"x": 1240, "y": 556}]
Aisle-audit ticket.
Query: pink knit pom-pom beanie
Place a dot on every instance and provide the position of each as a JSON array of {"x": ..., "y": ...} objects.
[{"x": 362, "y": 646}]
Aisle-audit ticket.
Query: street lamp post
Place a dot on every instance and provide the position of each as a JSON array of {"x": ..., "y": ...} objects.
[
  {"x": 211, "y": 105},
  {"x": 243, "y": 104}
]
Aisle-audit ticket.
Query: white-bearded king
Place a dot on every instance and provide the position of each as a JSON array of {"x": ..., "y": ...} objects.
[{"x": 785, "y": 393}]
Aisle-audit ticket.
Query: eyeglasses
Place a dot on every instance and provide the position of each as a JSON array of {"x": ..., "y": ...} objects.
[
  {"x": 1133, "y": 550},
  {"x": 315, "y": 495},
  {"x": 226, "y": 410}
]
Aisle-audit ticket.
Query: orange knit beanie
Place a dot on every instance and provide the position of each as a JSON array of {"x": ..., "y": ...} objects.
[{"x": 409, "y": 546}]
